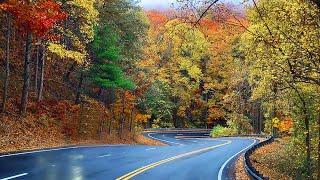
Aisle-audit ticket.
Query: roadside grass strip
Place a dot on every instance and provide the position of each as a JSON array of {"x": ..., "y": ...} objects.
[{"x": 150, "y": 166}]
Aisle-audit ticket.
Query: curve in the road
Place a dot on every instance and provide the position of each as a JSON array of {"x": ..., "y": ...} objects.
[{"x": 145, "y": 168}]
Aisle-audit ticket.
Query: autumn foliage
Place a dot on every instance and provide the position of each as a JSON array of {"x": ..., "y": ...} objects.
[
  {"x": 38, "y": 18},
  {"x": 96, "y": 71}
]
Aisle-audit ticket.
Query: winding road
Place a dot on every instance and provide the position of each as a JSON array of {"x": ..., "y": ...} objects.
[{"x": 189, "y": 155}]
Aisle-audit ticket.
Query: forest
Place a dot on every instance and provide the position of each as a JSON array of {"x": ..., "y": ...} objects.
[{"x": 92, "y": 71}]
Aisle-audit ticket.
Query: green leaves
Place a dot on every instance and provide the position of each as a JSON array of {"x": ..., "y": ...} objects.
[
  {"x": 105, "y": 72},
  {"x": 109, "y": 76},
  {"x": 106, "y": 44}
]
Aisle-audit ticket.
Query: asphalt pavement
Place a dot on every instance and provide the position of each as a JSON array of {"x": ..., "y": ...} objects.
[{"x": 188, "y": 155}]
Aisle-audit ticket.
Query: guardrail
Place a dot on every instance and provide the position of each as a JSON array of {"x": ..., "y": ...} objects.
[
  {"x": 254, "y": 174},
  {"x": 164, "y": 130}
]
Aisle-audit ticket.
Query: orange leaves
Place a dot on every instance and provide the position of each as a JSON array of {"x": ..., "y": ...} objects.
[
  {"x": 285, "y": 125},
  {"x": 157, "y": 18},
  {"x": 54, "y": 109},
  {"x": 129, "y": 96},
  {"x": 208, "y": 27},
  {"x": 142, "y": 117}
]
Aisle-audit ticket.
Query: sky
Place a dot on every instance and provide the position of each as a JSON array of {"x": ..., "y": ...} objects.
[
  {"x": 162, "y": 4},
  {"x": 156, "y": 3}
]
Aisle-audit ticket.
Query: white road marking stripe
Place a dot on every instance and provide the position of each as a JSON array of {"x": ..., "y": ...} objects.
[
  {"x": 106, "y": 155},
  {"x": 179, "y": 134},
  {"x": 16, "y": 176},
  {"x": 150, "y": 149},
  {"x": 225, "y": 163},
  {"x": 194, "y": 141},
  {"x": 149, "y": 135},
  {"x": 57, "y": 149}
]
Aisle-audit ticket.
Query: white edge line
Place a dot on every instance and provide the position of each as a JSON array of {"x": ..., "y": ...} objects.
[
  {"x": 12, "y": 177},
  {"x": 225, "y": 163},
  {"x": 106, "y": 155},
  {"x": 57, "y": 149},
  {"x": 149, "y": 135}
]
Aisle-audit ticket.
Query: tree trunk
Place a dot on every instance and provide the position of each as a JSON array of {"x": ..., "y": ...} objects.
[
  {"x": 70, "y": 70},
  {"x": 41, "y": 78},
  {"x": 6, "y": 77},
  {"x": 99, "y": 93},
  {"x": 79, "y": 132},
  {"x": 36, "y": 72},
  {"x": 318, "y": 148},
  {"x": 132, "y": 120},
  {"x": 101, "y": 129},
  {"x": 26, "y": 74},
  {"x": 110, "y": 122},
  {"x": 78, "y": 96},
  {"x": 122, "y": 116},
  {"x": 306, "y": 122}
]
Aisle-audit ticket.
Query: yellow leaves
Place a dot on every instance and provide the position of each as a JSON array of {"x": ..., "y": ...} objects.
[
  {"x": 195, "y": 72},
  {"x": 142, "y": 117},
  {"x": 181, "y": 111},
  {"x": 87, "y": 16},
  {"x": 60, "y": 51},
  {"x": 181, "y": 49},
  {"x": 275, "y": 122}
]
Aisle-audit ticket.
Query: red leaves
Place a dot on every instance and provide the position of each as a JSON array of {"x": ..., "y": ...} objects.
[{"x": 38, "y": 18}]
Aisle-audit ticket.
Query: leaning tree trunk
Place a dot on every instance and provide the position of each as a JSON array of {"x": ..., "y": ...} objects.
[
  {"x": 7, "y": 73},
  {"x": 26, "y": 73},
  {"x": 307, "y": 129},
  {"x": 307, "y": 138},
  {"x": 41, "y": 75}
]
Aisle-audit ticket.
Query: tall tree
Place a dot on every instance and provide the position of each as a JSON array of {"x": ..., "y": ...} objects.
[{"x": 6, "y": 78}]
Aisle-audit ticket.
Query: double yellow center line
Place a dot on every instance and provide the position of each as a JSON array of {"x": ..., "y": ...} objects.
[{"x": 150, "y": 166}]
